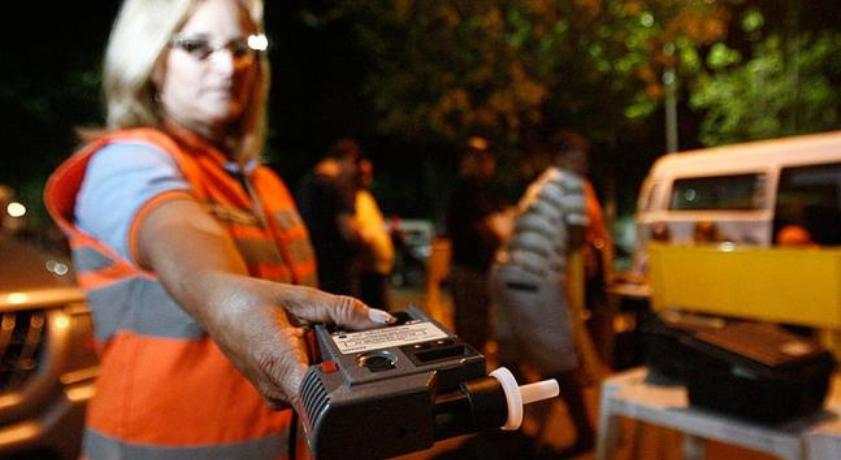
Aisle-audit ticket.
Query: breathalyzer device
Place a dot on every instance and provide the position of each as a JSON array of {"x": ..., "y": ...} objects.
[{"x": 397, "y": 389}]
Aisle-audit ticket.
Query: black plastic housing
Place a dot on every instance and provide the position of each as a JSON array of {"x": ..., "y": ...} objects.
[
  {"x": 666, "y": 351},
  {"x": 401, "y": 398},
  {"x": 757, "y": 371}
]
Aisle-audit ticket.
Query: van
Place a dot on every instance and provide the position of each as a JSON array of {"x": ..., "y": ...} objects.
[{"x": 779, "y": 191}]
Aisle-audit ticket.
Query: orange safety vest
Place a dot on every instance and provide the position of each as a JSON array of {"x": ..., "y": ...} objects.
[{"x": 165, "y": 389}]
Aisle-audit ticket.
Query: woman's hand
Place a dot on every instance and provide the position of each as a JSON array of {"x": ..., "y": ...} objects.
[
  {"x": 257, "y": 323},
  {"x": 259, "y": 329}
]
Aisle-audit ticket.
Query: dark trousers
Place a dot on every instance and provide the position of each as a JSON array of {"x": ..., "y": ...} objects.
[
  {"x": 573, "y": 396},
  {"x": 373, "y": 289},
  {"x": 472, "y": 305}
]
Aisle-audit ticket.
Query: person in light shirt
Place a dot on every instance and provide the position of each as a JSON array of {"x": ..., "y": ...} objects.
[
  {"x": 377, "y": 259},
  {"x": 527, "y": 281}
]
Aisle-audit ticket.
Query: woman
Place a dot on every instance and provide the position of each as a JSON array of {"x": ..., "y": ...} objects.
[{"x": 172, "y": 224}]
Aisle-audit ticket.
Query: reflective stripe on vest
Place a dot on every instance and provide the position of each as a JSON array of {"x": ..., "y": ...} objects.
[
  {"x": 142, "y": 306},
  {"x": 99, "y": 446}
]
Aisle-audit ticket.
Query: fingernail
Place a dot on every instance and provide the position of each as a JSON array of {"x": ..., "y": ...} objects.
[{"x": 380, "y": 316}]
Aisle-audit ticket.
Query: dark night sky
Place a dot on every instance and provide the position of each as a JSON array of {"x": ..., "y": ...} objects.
[{"x": 316, "y": 96}]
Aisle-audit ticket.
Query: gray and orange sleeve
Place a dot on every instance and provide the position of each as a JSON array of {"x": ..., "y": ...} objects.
[{"x": 124, "y": 181}]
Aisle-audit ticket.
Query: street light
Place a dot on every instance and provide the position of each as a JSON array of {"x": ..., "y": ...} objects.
[{"x": 670, "y": 84}]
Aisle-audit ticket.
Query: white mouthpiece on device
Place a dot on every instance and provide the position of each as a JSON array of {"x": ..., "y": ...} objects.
[{"x": 518, "y": 396}]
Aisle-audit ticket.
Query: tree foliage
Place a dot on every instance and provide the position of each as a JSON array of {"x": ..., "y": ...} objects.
[
  {"x": 511, "y": 68},
  {"x": 786, "y": 85}
]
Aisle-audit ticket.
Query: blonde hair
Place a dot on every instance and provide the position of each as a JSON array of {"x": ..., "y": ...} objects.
[{"x": 140, "y": 35}]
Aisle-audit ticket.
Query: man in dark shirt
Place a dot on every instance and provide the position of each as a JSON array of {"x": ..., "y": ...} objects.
[
  {"x": 326, "y": 203},
  {"x": 474, "y": 238}
]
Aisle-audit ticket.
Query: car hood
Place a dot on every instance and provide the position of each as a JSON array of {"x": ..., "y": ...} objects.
[{"x": 26, "y": 277}]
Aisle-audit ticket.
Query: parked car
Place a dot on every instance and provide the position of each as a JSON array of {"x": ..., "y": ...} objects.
[
  {"x": 412, "y": 244},
  {"x": 48, "y": 363}
]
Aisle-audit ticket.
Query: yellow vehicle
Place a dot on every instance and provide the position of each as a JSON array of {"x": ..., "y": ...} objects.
[
  {"x": 787, "y": 285},
  {"x": 720, "y": 216},
  {"x": 749, "y": 231}
]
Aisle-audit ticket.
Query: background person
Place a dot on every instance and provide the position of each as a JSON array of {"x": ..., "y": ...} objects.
[
  {"x": 597, "y": 250},
  {"x": 527, "y": 282},
  {"x": 705, "y": 231},
  {"x": 377, "y": 260},
  {"x": 173, "y": 223},
  {"x": 326, "y": 197},
  {"x": 794, "y": 235},
  {"x": 474, "y": 232}
]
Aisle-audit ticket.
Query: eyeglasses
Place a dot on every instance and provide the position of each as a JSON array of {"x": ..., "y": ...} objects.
[{"x": 240, "y": 49}]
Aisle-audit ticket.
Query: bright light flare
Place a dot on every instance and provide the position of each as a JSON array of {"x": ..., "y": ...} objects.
[
  {"x": 58, "y": 268},
  {"x": 727, "y": 246},
  {"x": 258, "y": 42},
  {"x": 16, "y": 209},
  {"x": 17, "y": 298},
  {"x": 62, "y": 322}
]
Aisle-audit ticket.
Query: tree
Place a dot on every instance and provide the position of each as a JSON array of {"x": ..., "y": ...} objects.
[
  {"x": 50, "y": 87},
  {"x": 513, "y": 68},
  {"x": 516, "y": 70},
  {"x": 786, "y": 85}
]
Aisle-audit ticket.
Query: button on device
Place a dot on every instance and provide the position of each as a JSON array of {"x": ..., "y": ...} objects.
[
  {"x": 377, "y": 361},
  {"x": 328, "y": 367},
  {"x": 444, "y": 342},
  {"x": 420, "y": 346},
  {"x": 402, "y": 317}
]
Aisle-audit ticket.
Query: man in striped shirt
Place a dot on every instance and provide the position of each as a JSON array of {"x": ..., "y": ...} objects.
[{"x": 528, "y": 277}]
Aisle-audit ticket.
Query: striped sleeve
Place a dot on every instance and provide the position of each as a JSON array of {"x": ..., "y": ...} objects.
[{"x": 574, "y": 201}]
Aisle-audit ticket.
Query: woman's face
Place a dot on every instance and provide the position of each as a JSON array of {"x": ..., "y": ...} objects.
[{"x": 206, "y": 77}]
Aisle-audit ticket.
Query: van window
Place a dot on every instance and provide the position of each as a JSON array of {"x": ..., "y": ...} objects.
[
  {"x": 734, "y": 192},
  {"x": 810, "y": 197}
]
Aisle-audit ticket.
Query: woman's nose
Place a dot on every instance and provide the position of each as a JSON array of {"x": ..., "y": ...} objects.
[{"x": 222, "y": 62}]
